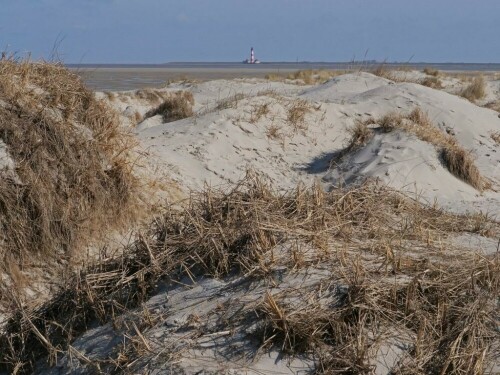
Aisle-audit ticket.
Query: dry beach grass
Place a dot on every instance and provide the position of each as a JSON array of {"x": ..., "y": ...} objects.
[
  {"x": 72, "y": 179},
  {"x": 475, "y": 90},
  {"x": 307, "y": 76},
  {"x": 174, "y": 107},
  {"x": 432, "y": 82},
  {"x": 395, "y": 278}
]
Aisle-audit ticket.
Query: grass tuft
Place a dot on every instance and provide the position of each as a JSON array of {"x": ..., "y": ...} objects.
[
  {"x": 259, "y": 111},
  {"x": 311, "y": 77},
  {"x": 275, "y": 77},
  {"x": 460, "y": 163},
  {"x": 494, "y": 105},
  {"x": 296, "y": 115},
  {"x": 475, "y": 90},
  {"x": 396, "y": 75},
  {"x": 176, "y": 107},
  {"x": 391, "y": 121},
  {"x": 359, "y": 134},
  {"x": 432, "y": 82},
  {"x": 496, "y": 137}
]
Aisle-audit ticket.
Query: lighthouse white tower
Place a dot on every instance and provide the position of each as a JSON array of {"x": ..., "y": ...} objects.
[{"x": 252, "y": 59}]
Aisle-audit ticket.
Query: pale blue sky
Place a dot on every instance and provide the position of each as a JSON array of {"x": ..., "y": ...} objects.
[{"x": 157, "y": 31}]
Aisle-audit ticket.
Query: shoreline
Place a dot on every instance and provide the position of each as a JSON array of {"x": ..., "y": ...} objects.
[{"x": 122, "y": 78}]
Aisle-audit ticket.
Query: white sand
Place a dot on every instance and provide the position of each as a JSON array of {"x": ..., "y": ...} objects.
[{"x": 217, "y": 146}]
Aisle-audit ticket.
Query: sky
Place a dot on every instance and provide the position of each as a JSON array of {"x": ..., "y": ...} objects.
[{"x": 159, "y": 31}]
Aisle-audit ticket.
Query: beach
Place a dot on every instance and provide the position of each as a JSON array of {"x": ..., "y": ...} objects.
[{"x": 256, "y": 220}]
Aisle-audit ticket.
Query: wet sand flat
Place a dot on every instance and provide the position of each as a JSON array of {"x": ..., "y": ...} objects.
[
  {"x": 131, "y": 77},
  {"x": 117, "y": 79}
]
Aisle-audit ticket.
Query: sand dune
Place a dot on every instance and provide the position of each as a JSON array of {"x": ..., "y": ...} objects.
[
  {"x": 217, "y": 146},
  {"x": 288, "y": 249}
]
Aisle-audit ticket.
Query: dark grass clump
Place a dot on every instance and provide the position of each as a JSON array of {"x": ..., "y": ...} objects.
[
  {"x": 431, "y": 72},
  {"x": 176, "y": 107}
]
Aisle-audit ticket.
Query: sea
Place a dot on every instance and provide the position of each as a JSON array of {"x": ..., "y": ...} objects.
[{"x": 120, "y": 77}]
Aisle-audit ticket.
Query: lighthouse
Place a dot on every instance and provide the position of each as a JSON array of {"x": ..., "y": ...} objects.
[{"x": 252, "y": 59}]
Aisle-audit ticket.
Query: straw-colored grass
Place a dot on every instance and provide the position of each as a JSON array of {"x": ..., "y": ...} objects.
[
  {"x": 390, "y": 272},
  {"x": 275, "y": 132},
  {"x": 432, "y": 82},
  {"x": 111, "y": 96},
  {"x": 393, "y": 74},
  {"x": 461, "y": 164},
  {"x": 296, "y": 114},
  {"x": 311, "y": 77},
  {"x": 359, "y": 135},
  {"x": 151, "y": 96},
  {"x": 74, "y": 178},
  {"x": 391, "y": 121},
  {"x": 177, "y": 106},
  {"x": 475, "y": 90},
  {"x": 382, "y": 71},
  {"x": 275, "y": 77}
]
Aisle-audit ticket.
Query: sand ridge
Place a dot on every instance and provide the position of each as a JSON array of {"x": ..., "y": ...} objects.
[{"x": 217, "y": 146}]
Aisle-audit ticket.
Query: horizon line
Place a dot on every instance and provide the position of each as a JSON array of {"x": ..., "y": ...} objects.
[{"x": 282, "y": 62}]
